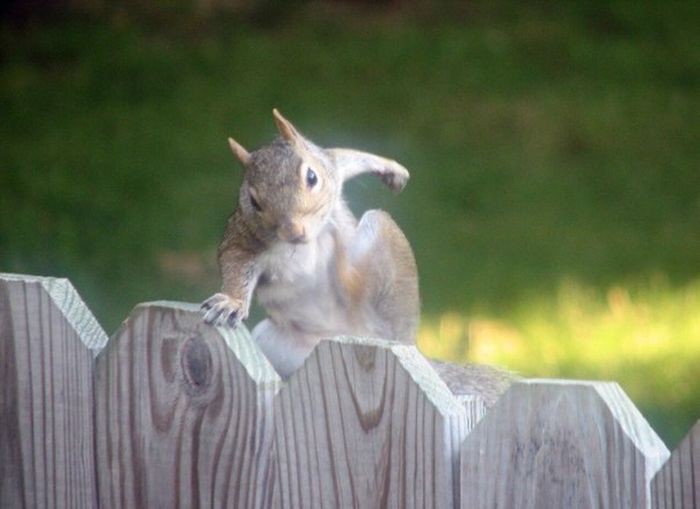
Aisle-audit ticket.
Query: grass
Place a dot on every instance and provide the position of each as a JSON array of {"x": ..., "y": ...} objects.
[
  {"x": 645, "y": 338},
  {"x": 555, "y": 195}
]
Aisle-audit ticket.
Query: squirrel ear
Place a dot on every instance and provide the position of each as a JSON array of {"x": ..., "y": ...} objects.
[
  {"x": 241, "y": 154},
  {"x": 285, "y": 127}
]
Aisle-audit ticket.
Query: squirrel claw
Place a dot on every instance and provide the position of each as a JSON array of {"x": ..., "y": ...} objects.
[
  {"x": 220, "y": 310},
  {"x": 394, "y": 177}
]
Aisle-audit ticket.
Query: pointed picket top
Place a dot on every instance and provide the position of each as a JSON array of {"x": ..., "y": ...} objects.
[
  {"x": 71, "y": 305},
  {"x": 635, "y": 426},
  {"x": 238, "y": 340},
  {"x": 419, "y": 369},
  {"x": 560, "y": 443},
  {"x": 200, "y": 398},
  {"x": 369, "y": 423},
  {"x": 415, "y": 364},
  {"x": 48, "y": 339},
  {"x": 677, "y": 484}
]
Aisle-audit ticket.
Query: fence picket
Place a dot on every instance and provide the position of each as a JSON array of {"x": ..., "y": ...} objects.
[
  {"x": 183, "y": 414},
  {"x": 677, "y": 484},
  {"x": 368, "y": 424},
  {"x": 48, "y": 338},
  {"x": 171, "y": 412},
  {"x": 561, "y": 443}
]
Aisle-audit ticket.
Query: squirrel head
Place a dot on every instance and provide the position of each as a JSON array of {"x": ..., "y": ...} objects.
[{"x": 290, "y": 187}]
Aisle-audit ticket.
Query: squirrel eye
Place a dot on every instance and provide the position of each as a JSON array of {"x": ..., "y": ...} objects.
[
  {"x": 311, "y": 177},
  {"x": 255, "y": 204}
]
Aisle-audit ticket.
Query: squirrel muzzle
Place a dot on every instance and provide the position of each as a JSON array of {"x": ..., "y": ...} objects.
[{"x": 292, "y": 231}]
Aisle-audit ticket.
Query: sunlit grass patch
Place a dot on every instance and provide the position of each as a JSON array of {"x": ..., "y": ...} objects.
[{"x": 644, "y": 336}]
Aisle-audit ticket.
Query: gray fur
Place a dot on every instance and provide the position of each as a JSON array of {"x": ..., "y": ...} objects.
[{"x": 321, "y": 273}]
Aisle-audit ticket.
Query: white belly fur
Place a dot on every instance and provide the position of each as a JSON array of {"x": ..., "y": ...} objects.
[
  {"x": 299, "y": 294},
  {"x": 299, "y": 289}
]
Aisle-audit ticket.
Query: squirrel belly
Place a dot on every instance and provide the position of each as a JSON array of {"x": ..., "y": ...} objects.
[
  {"x": 298, "y": 286},
  {"x": 358, "y": 280},
  {"x": 302, "y": 288}
]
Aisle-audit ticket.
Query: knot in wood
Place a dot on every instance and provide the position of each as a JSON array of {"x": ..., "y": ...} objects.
[
  {"x": 196, "y": 365},
  {"x": 366, "y": 356}
]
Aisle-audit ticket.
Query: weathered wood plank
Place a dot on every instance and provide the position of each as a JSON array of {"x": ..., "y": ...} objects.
[
  {"x": 677, "y": 484},
  {"x": 550, "y": 443},
  {"x": 183, "y": 414},
  {"x": 48, "y": 338},
  {"x": 366, "y": 423}
]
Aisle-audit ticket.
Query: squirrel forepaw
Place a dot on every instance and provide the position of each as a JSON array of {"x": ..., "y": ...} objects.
[
  {"x": 220, "y": 309},
  {"x": 394, "y": 176}
]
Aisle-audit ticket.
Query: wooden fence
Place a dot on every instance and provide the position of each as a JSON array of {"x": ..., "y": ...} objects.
[{"x": 170, "y": 412}]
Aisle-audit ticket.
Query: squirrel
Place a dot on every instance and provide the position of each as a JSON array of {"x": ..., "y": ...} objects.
[{"x": 316, "y": 270}]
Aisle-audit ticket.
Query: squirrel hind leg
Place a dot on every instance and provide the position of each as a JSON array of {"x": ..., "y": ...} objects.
[
  {"x": 381, "y": 252},
  {"x": 286, "y": 349}
]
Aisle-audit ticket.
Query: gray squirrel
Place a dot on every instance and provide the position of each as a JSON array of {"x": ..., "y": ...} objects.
[{"x": 316, "y": 270}]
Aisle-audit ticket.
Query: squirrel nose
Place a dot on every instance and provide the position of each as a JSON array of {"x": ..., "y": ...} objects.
[
  {"x": 293, "y": 232},
  {"x": 299, "y": 239}
]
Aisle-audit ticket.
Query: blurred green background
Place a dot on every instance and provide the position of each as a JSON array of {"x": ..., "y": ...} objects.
[{"x": 554, "y": 205}]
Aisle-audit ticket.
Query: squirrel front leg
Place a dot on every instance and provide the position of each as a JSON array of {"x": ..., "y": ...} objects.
[
  {"x": 350, "y": 163},
  {"x": 237, "y": 262}
]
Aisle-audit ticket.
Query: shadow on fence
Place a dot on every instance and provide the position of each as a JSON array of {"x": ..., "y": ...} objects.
[{"x": 170, "y": 412}]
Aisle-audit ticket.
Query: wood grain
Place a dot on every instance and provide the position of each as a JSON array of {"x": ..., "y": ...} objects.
[
  {"x": 175, "y": 413},
  {"x": 47, "y": 342},
  {"x": 560, "y": 444},
  {"x": 368, "y": 424},
  {"x": 183, "y": 414},
  {"x": 677, "y": 484}
]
